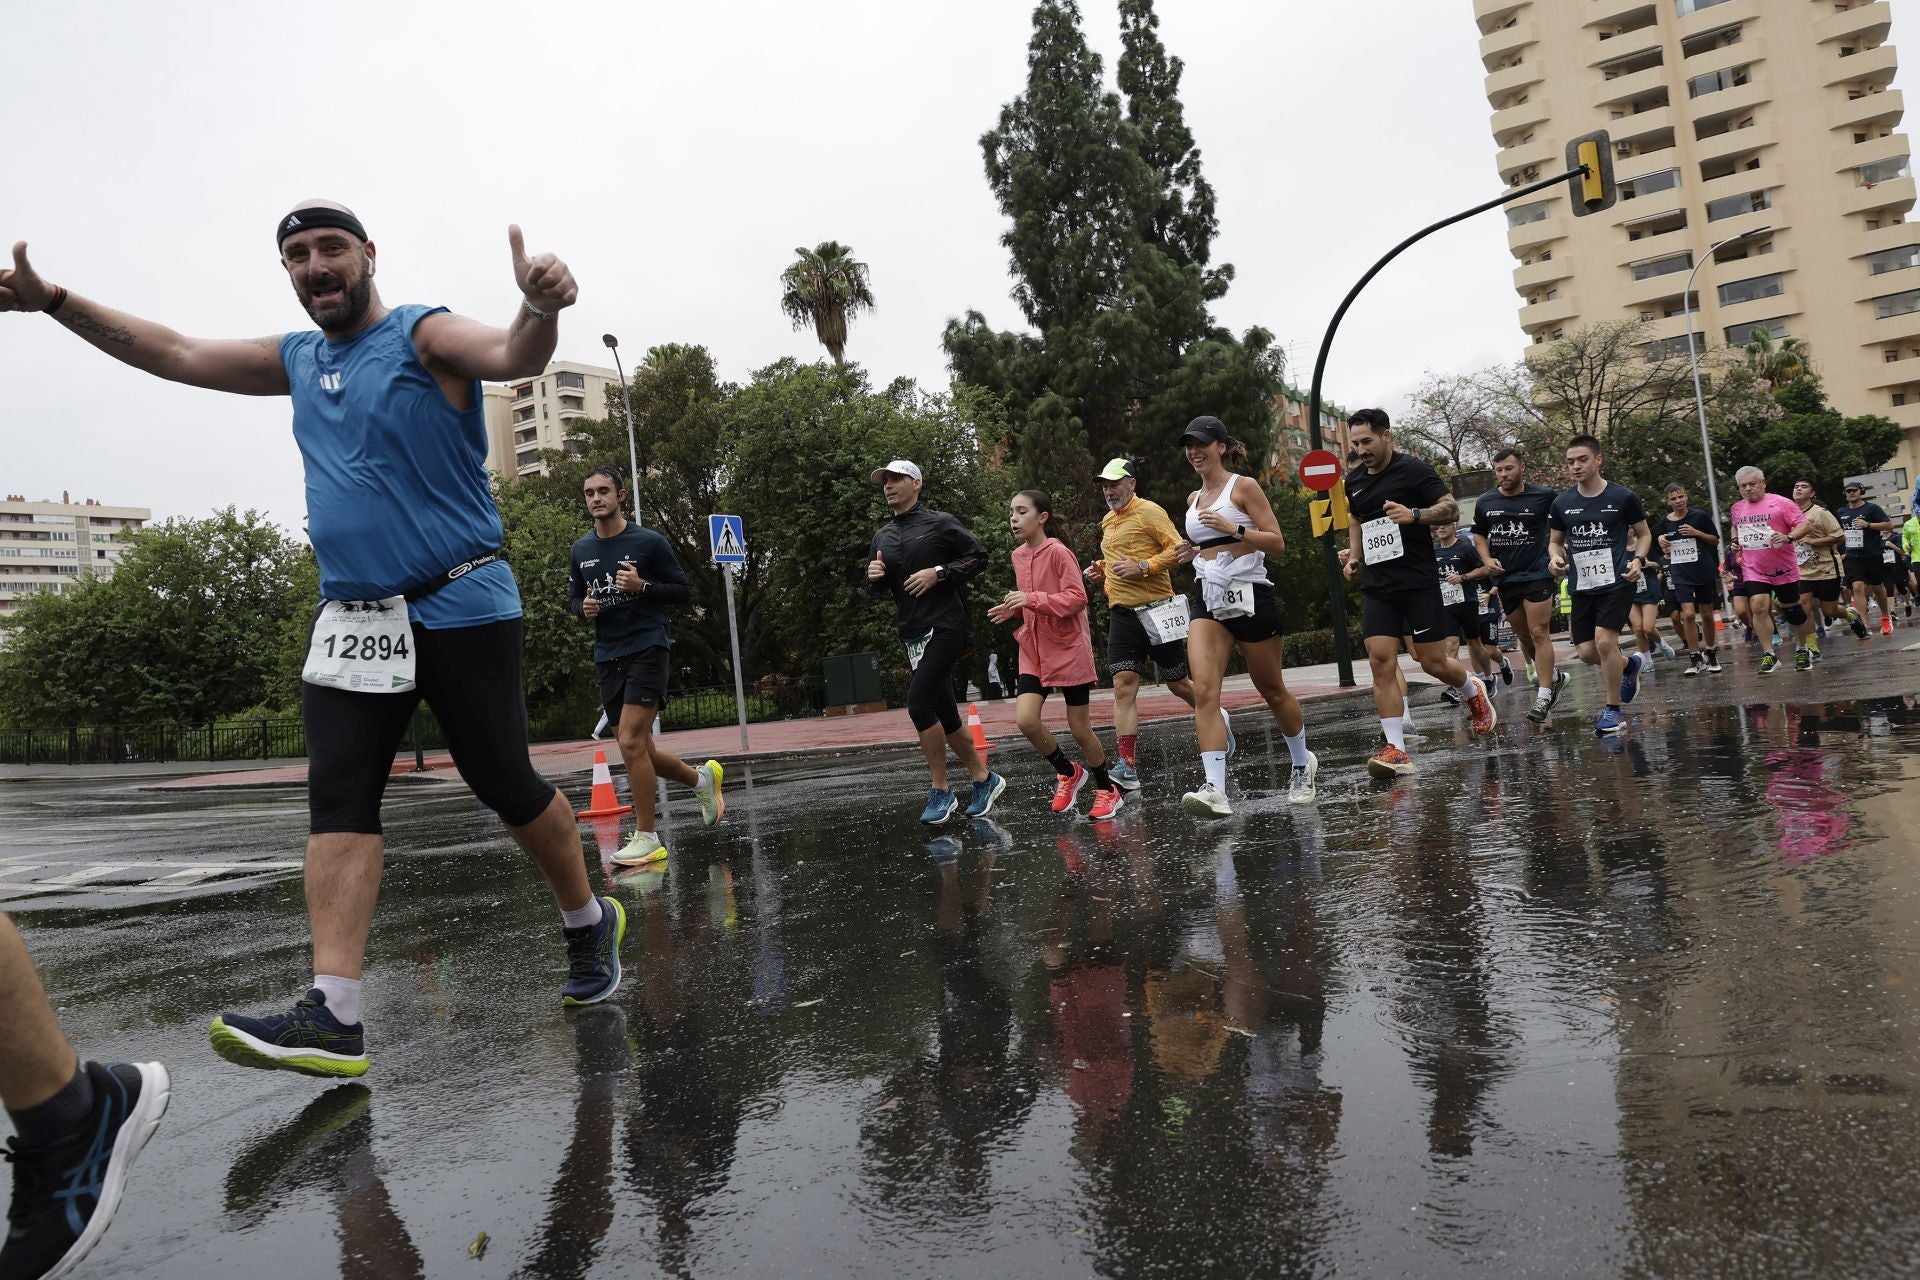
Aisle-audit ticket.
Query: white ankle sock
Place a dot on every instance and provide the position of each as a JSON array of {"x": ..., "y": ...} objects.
[
  {"x": 1215, "y": 763},
  {"x": 587, "y": 915},
  {"x": 343, "y": 996},
  {"x": 1395, "y": 730},
  {"x": 1296, "y": 747}
]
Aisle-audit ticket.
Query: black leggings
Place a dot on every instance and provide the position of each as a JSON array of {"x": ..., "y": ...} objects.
[
  {"x": 930, "y": 698},
  {"x": 470, "y": 676}
]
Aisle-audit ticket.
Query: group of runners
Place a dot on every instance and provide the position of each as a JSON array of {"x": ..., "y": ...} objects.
[{"x": 419, "y": 604}]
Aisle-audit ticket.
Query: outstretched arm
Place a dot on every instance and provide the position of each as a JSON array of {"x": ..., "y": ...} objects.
[
  {"x": 248, "y": 367},
  {"x": 470, "y": 349}
]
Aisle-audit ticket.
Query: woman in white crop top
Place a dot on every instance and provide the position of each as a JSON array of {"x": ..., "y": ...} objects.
[{"x": 1231, "y": 531}]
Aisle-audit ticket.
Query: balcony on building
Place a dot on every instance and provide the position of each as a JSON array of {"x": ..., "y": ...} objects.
[
  {"x": 1666, "y": 196},
  {"x": 1777, "y": 326},
  {"x": 1494, "y": 14},
  {"x": 1870, "y": 107},
  {"x": 1734, "y": 144},
  {"x": 1697, "y": 17},
  {"x": 1723, "y": 66},
  {"x": 1889, "y": 269},
  {"x": 1531, "y": 276},
  {"x": 1536, "y": 223},
  {"x": 1616, "y": 18},
  {"x": 1862, "y": 26},
  {"x": 1650, "y": 128},
  {"x": 1505, "y": 80},
  {"x": 1625, "y": 55},
  {"x": 523, "y": 392},
  {"x": 1896, "y": 318},
  {"x": 1862, "y": 66},
  {"x": 1637, "y": 92},
  {"x": 1653, "y": 236},
  {"x": 1890, "y": 196},
  {"x": 1506, "y": 40},
  {"x": 1515, "y": 120},
  {"x": 1548, "y": 311},
  {"x": 1696, "y": 49},
  {"x": 1900, "y": 367}
]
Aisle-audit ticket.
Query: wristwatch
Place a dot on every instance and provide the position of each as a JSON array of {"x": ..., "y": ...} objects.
[
  {"x": 1243, "y": 530},
  {"x": 940, "y": 573},
  {"x": 1145, "y": 568},
  {"x": 1417, "y": 513}
]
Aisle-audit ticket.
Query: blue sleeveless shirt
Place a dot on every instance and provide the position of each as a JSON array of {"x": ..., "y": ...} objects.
[{"x": 397, "y": 486}]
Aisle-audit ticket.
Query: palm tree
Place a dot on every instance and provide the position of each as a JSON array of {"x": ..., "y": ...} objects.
[
  {"x": 826, "y": 287},
  {"x": 1778, "y": 362}
]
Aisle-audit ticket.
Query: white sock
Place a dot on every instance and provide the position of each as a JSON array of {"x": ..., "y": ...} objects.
[
  {"x": 1543, "y": 694},
  {"x": 1395, "y": 730},
  {"x": 1406, "y": 715},
  {"x": 702, "y": 779},
  {"x": 1296, "y": 747},
  {"x": 343, "y": 997},
  {"x": 1466, "y": 689},
  {"x": 1215, "y": 763},
  {"x": 587, "y": 915}
]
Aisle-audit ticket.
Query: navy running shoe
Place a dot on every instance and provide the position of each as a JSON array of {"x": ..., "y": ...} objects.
[
  {"x": 941, "y": 805},
  {"x": 306, "y": 1038},
  {"x": 65, "y": 1194},
  {"x": 1630, "y": 679},
  {"x": 593, "y": 956},
  {"x": 985, "y": 792}
]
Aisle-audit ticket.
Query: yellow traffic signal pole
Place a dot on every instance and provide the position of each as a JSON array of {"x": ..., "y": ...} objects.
[{"x": 1589, "y": 178}]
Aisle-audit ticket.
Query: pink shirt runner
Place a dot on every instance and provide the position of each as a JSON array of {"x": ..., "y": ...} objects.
[
  {"x": 1754, "y": 524},
  {"x": 1055, "y": 643}
]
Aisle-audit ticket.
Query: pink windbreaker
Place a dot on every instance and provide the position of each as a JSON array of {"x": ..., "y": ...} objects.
[{"x": 1055, "y": 644}]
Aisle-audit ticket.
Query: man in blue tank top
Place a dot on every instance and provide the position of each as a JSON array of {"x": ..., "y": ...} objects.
[{"x": 417, "y": 601}]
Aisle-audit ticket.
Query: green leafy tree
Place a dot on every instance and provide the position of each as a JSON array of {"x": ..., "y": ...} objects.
[
  {"x": 190, "y": 627},
  {"x": 1811, "y": 440},
  {"x": 1778, "y": 361},
  {"x": 826, "y": 287},
  {"x": 1109, "y": 239}
]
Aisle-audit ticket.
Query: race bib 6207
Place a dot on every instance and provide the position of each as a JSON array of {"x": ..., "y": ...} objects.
[
  {"x": 1452, "y": 593},
  {"x": 363, "y": 646},
  {"x": 1380, "y": 541}
]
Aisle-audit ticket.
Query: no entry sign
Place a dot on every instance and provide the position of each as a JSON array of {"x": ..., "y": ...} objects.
[{"x": 1320, "y": 470}]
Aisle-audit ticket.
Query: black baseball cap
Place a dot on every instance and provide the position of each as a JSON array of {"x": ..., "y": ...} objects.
[
  {"x": 1854, "y": 486},
  {"x": 1207, "y": 429}
]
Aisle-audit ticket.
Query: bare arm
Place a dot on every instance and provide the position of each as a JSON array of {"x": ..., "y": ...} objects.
[
  {"x": 249, "y": 367},
  {"x": 470, "y": 349}
]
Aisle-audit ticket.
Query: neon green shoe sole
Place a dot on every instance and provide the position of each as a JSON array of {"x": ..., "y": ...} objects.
[
  {"x": 244, "y": 1051},
  {"x": 713, "y": 805}
]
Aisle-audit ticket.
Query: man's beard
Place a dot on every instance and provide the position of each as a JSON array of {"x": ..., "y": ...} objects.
[{"x": 345, "y": 312}]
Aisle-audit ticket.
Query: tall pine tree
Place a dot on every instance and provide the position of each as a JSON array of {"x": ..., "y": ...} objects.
[{"x": 1110, "y": 241}]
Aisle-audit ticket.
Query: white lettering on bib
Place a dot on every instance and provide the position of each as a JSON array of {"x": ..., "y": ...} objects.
[
  {"x": 1756, "y": 537},
  {"x": 365, "y": 646},
  {"x": 916, "y": 650},
  {"x": 1683, "y": 551},
  {"x": 1856, "y": 539},
  {"x": 1594, "y": 569},
  {"x": 1380, "y": 541}
]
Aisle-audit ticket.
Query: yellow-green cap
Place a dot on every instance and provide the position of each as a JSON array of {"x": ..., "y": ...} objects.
[{"x": 1118, "y": 469}]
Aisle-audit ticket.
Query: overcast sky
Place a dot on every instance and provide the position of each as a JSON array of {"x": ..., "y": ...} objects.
[{"x": 675, "y": 155}]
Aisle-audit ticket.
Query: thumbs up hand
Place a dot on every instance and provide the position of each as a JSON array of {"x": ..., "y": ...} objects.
[
  {"x": 544, "y": 281},
  {"x": 876, "y": 568}
]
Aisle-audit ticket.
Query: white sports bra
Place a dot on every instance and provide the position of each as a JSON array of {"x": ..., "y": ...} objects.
[{"x": 1211, "y": 566}]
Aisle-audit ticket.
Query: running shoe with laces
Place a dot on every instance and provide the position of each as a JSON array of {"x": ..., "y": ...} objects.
[
  {"x": 1506, "y": 671},
  {"x": 1713, "y": 662},
  {"x": 1560, "y": 679},
  {"x": 66, "y": 1192},
  {"x": 593, "y": 956},
  {"x": 1609, "y": 721},
  {"x": 1107, "y": 803},
  {"x": 985, "y": 792},
  {"x": 1537, "y": 713},
  {"x": 1769, "y": 664},
  {"x": 1630, "y": 678},
  {"x": 1208, "y": 802},
  {"x": 1802, "y": 660},
  {"x": 1695, "y": 665},
  {"x": 1480, "y": 708},
  {"x": 1450, "y": 695},
  {"x": 1389, "y": 762},
  {"x": 941, "y": 805},
  {"x": 1886, "y": 625},
  {"x": 642, "y": 849},
  {"x": 1066, "y": 788},
  {"x": 713, "y": 805},
  {"x": 1124, "y": 776},
  {"x": 1667, "y": 650},
  {"x": 306, "y": 1039},
  {"x": 1302, "y": 784}
]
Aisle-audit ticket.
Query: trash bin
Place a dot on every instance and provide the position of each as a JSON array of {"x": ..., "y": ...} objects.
[{"x": 851, "y": 679}]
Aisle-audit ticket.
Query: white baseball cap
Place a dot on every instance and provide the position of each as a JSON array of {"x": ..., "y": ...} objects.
[{"x": 898, "y": 467}]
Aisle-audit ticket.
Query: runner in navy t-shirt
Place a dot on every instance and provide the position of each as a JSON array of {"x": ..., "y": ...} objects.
[
  {"x": 1510, "y": 532},
  {"x": 1600, "y": 536}
]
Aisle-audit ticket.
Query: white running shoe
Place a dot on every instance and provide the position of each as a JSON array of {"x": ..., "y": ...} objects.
[
  {"x": 1300, "y": 787},
  {"x": 1207, "y": 802},
  {"x": 707, "y": 788},
  {"x": 643, "y": 850}
]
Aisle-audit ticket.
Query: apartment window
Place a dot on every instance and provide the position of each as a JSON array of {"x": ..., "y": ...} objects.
[
  {"x": 1890, "y": 356},
  {"x": 1896, "y": 304},
  {"x": 1708, "y": 41},
  {"x": 1739, "y": 335},
  {"x": 1662, "y": 266},
  {"x": 1648, "y": 184},
  {"x": 1878, "y": 264},
  {"x": 1872, "y": 175},
  {"x": 523, "y": 391},
  {"x": 1715, "y": 81},
  {"x": 1521, "y": 215},
  {"x": 572, "y": 402},
  {"x": 1748, "y": 290},
  {"x": 573, "y": 381},
  {"x": 1685, "y": 7},
  {"x": 1899, "y": 398},
  {"x": 523, "y": 415},
  {"x": 1734, "y": 206},
  {"x": 1671, "y": 348}
]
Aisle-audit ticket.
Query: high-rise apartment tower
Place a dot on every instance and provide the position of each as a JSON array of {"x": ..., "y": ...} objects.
[{"x": 1726, "y": 116}]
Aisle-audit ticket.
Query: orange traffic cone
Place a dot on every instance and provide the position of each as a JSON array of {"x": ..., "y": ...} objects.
[
  {"x": 978, "y": 730},
  {"x": 606, "y": 801}
]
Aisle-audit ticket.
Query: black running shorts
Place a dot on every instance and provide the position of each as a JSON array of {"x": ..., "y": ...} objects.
[
  {"x": 1128, "y": 650},
  {"x": 1600, "y": 611},
  {"x": 1074, "y": 695},
  {"x": 1415, "y": 612},
  {"x": 633, "y": 679}
]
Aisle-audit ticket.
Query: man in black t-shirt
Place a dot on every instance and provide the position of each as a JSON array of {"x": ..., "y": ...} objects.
[
  {"x": 1689, "y": 544},
  {"x": 1393, "y": 499},
  {"x": 1861, "y": 525},
  {"x": 621, "y": 579},
  {"x": 1599, "y": 534},
  {"x": 1510, "y": 533}
]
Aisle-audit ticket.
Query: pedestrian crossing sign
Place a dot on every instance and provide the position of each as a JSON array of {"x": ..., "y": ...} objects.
[{"x": 729, "y": 539}]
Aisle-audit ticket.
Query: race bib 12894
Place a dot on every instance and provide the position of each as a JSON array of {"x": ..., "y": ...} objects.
[{"x": 363, "y": 646}]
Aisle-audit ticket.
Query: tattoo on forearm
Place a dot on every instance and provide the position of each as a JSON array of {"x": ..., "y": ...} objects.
[
  {"x": 1446, "y": 511},
  {"x": 85, "y": 322},
  {"x": 520, "y": 321}
]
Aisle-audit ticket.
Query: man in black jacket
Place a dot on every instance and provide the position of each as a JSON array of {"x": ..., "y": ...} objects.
[
  {"x": 924, "y": 559},
  {"x": 622, "y": 579}
]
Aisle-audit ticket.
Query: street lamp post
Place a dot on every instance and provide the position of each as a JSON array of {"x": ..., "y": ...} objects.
[
  {"x": 633, "y": 450},
  {"x": 1699, "y": 397}
]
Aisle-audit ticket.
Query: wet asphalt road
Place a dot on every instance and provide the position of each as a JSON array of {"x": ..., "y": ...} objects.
[{"x": 1558, "y": 1006}]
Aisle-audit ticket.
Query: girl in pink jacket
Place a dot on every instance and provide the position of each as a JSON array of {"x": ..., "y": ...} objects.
[{"x": 1056, "y": 652}]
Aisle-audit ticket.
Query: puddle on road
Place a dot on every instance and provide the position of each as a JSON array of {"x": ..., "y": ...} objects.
[{"x": 1566, "y": 1005}]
